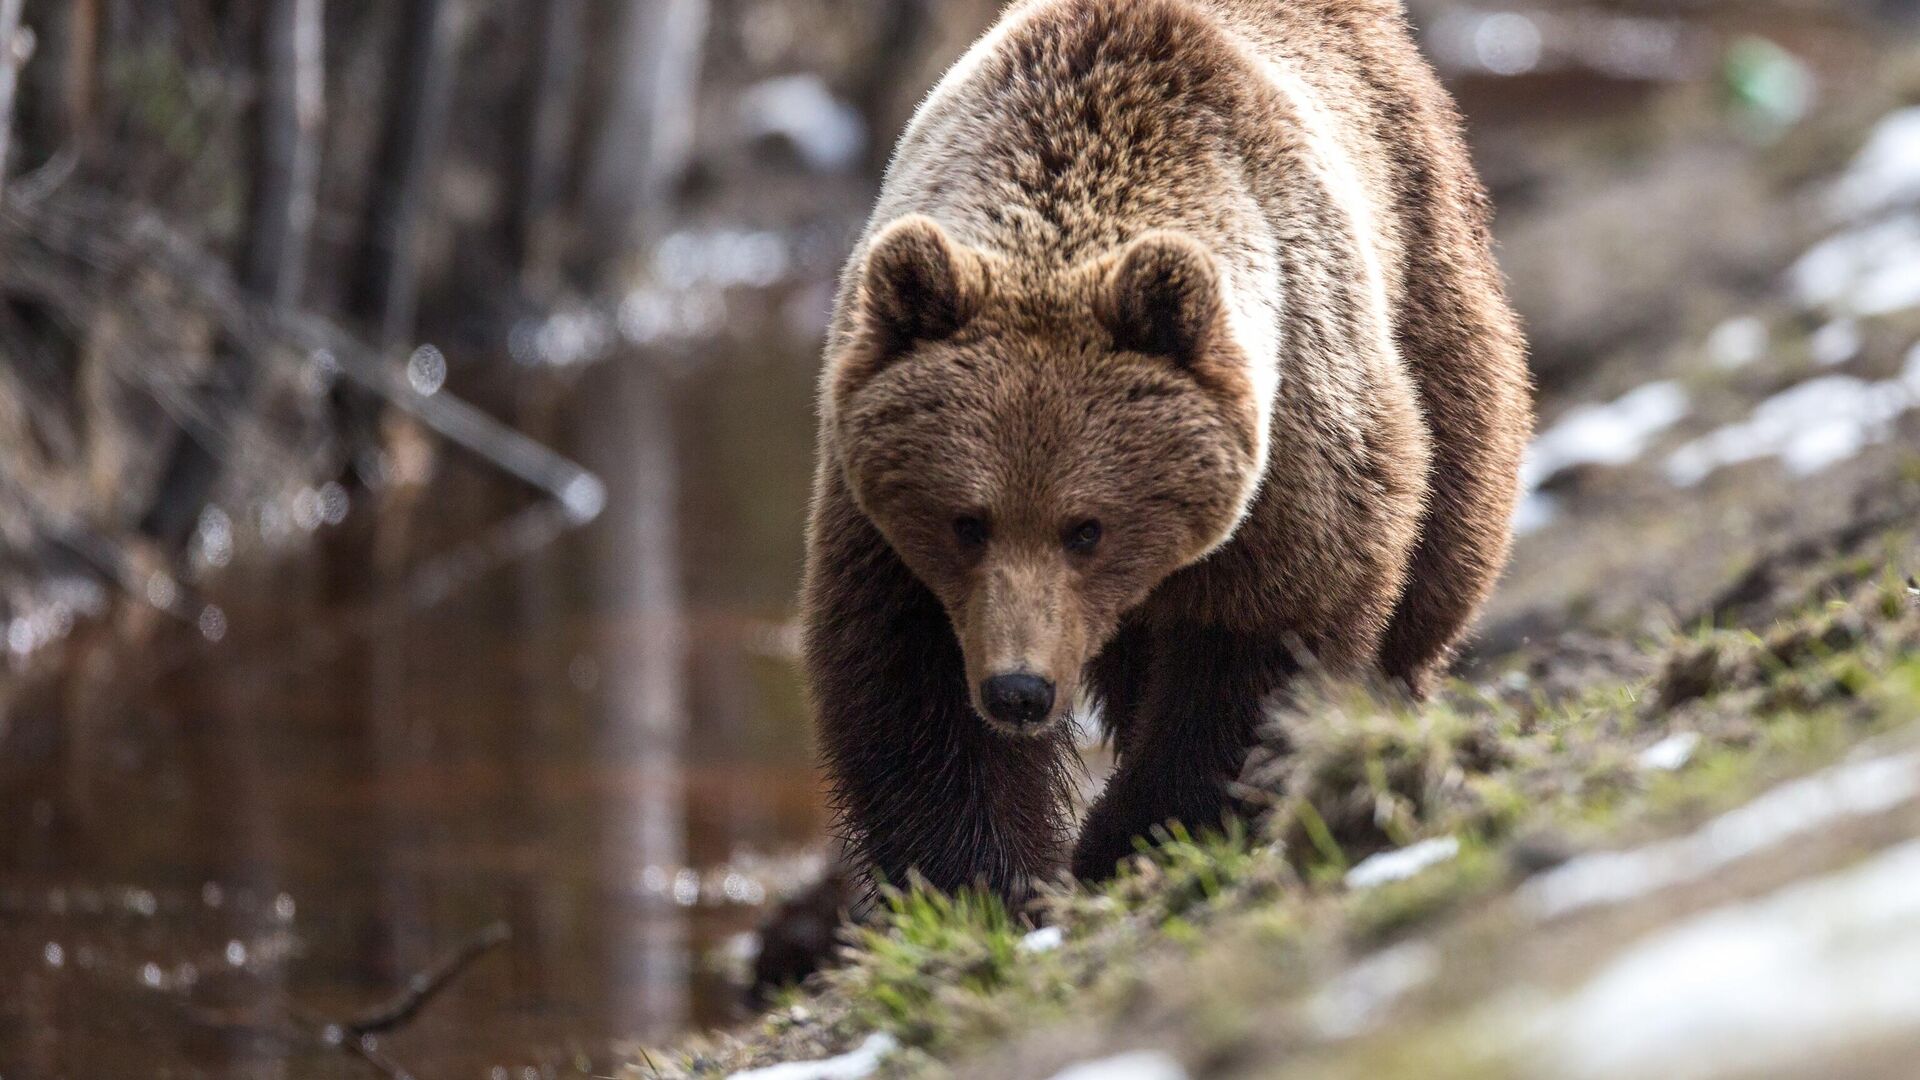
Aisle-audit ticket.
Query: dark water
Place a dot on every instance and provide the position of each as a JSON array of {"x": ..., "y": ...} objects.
[{"x": 209, "y": 851}]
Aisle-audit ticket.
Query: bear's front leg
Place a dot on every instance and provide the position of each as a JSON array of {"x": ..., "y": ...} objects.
[
  {"x": 1205, "y": 700},
  {"x": 921, "y": 783}
]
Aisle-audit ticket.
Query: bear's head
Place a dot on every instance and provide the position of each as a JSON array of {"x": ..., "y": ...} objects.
[{"x": 1042, "y": 447}]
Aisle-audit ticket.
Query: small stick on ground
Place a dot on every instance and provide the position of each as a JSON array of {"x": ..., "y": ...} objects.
[
  {"x": 359, "y": 1035},
  {"x": 425, "y": 985}
]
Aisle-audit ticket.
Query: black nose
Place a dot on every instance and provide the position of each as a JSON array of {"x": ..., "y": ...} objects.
[{"x": 1017, "y": 699}]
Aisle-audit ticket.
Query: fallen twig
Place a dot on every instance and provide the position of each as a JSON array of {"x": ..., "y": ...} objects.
[
  {"x": 424, "y": 986},
  {"x": 359, "y": 1035}
]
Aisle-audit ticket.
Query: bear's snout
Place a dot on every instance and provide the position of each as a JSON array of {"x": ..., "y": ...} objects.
[{"x": 1017, "y": 700}]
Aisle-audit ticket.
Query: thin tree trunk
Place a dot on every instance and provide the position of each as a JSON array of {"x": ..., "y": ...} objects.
[
  {"x": 538, "y": 171},
  {"x": 645, "y": 694},
  {"x": 291, "y": 112},
  {"x": 81, "y": 77},
  {"x": 646, "y": 134},
  {"x": 16, "y": 45},
  {"x": 639, "y": 148},
  {"x": 387, "y": 283},
  {"x": 904, "y": 26},
  {"x": 63, "y": 85}
]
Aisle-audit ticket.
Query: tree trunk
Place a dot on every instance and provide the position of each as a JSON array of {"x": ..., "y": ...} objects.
[
  {"x": 16, "y": 45},
  {"x": 81, "y": 77},
  {"x": 387, "y": 282},
  {"x": 291, "y": 113},
  {"x": 538, "y": 171},
  {"x": 645, "y": 137},
  {"x": 640, "y": 146}
]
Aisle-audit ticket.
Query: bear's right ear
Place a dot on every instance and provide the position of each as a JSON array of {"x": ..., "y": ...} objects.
[{"x": 919, "y": 284}]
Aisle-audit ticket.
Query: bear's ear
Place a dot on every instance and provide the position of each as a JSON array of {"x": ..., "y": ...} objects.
[
  {"x": 919, "y": 285},
  {"x": 1161, "y": 297}
]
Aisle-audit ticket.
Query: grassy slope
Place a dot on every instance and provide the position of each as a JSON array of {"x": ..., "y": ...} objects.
[{"x": 1222, "y": 950}]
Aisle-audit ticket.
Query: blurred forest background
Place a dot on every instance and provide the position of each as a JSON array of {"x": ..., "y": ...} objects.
[{"x": 405, "y": 426}]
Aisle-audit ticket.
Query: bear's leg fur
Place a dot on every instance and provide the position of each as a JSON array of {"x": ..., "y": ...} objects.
[
  {"x": 922, "y": 784},
  {"x": 1473, "y": 387},
  {"x": 1119, "y": 678},
  {"x": 1204, "y": 703}
]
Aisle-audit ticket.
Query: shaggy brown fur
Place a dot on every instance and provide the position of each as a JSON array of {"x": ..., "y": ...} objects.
[{"x": 1176, "y": 355}]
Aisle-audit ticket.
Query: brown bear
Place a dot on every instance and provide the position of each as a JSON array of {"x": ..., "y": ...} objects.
[{"x": 1175, "y": 357}]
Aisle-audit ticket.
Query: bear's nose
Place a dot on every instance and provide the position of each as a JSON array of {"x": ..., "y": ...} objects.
[{"x": 1017, "y": 699}]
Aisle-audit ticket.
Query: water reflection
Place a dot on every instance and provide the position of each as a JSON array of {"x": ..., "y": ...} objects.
[{"x": 215, "y": 848}]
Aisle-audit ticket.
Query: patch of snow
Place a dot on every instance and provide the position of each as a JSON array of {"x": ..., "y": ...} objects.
[
  {"x": 1354, "y": 1000},
  {"x": 856, "y": 1064},
  {"x": 1134, "y": 1065},
  {"x": 1870, "y": 270},
  {"x": 1403, "y": 863},
  {"x": 1536, "y": 511},
  {"x": 1835, "y": 343},
  {"x": 1670, "y": 753},
  {"x": 1616, "y": 433},
  {"x": 1738, "y": 342},
  {"x": 1795, "y": 809},
  {"x": 1045, "y": 939},
  {"x": 721, "y": 258},
  {"x": 1887, "y": 171},
  {"x": 827, "y": 132},
  {"x": 1813, "y": 970},
  {"x": 1809, "y": 427}
]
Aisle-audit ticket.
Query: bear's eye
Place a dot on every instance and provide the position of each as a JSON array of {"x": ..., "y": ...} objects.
[
  {"x": 970, "y": 531},
  {"x": 1083, "y": 538}
]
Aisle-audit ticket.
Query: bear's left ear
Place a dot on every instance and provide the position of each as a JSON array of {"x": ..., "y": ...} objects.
[
  {"x": 1161, "y": 297},
  {"x": 919, "y": 284}
]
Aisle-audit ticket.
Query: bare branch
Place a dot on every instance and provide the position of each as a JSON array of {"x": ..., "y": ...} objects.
[
  {"x": 110, "y": 238},
  {"x": 358, "y": 1036},
  {"x": 426, "y": 985}
]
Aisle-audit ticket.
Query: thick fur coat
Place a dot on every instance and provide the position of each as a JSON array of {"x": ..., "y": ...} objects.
[{"x": 1175, "y": 356}]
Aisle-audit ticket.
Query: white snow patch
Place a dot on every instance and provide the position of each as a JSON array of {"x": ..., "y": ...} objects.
[
  {"x": 1816, "y": 968},
  {"x": 1870, "y": 270},
  {"x": 1738, "y": 342},
  {"x": 1795, "y": 809},
  {"x": 1045, "y": 939},
  {"x": 856, "y": 1064},
  {"x": 1536, "y": 511},
  {"x": 1887, "y": 171},
  {"x": 1835, "y": 343},
  {"x": 1354, "y": 1000},
  {"x": 1670, "y": 753},
  {"x": 1809, "y": 427},
  {"x": 827, "y": 132},
  {"x": 1403, "y": 863},
  {"x": 1134, "y": 1065},
  {"x": 1615, "y": 433}
]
